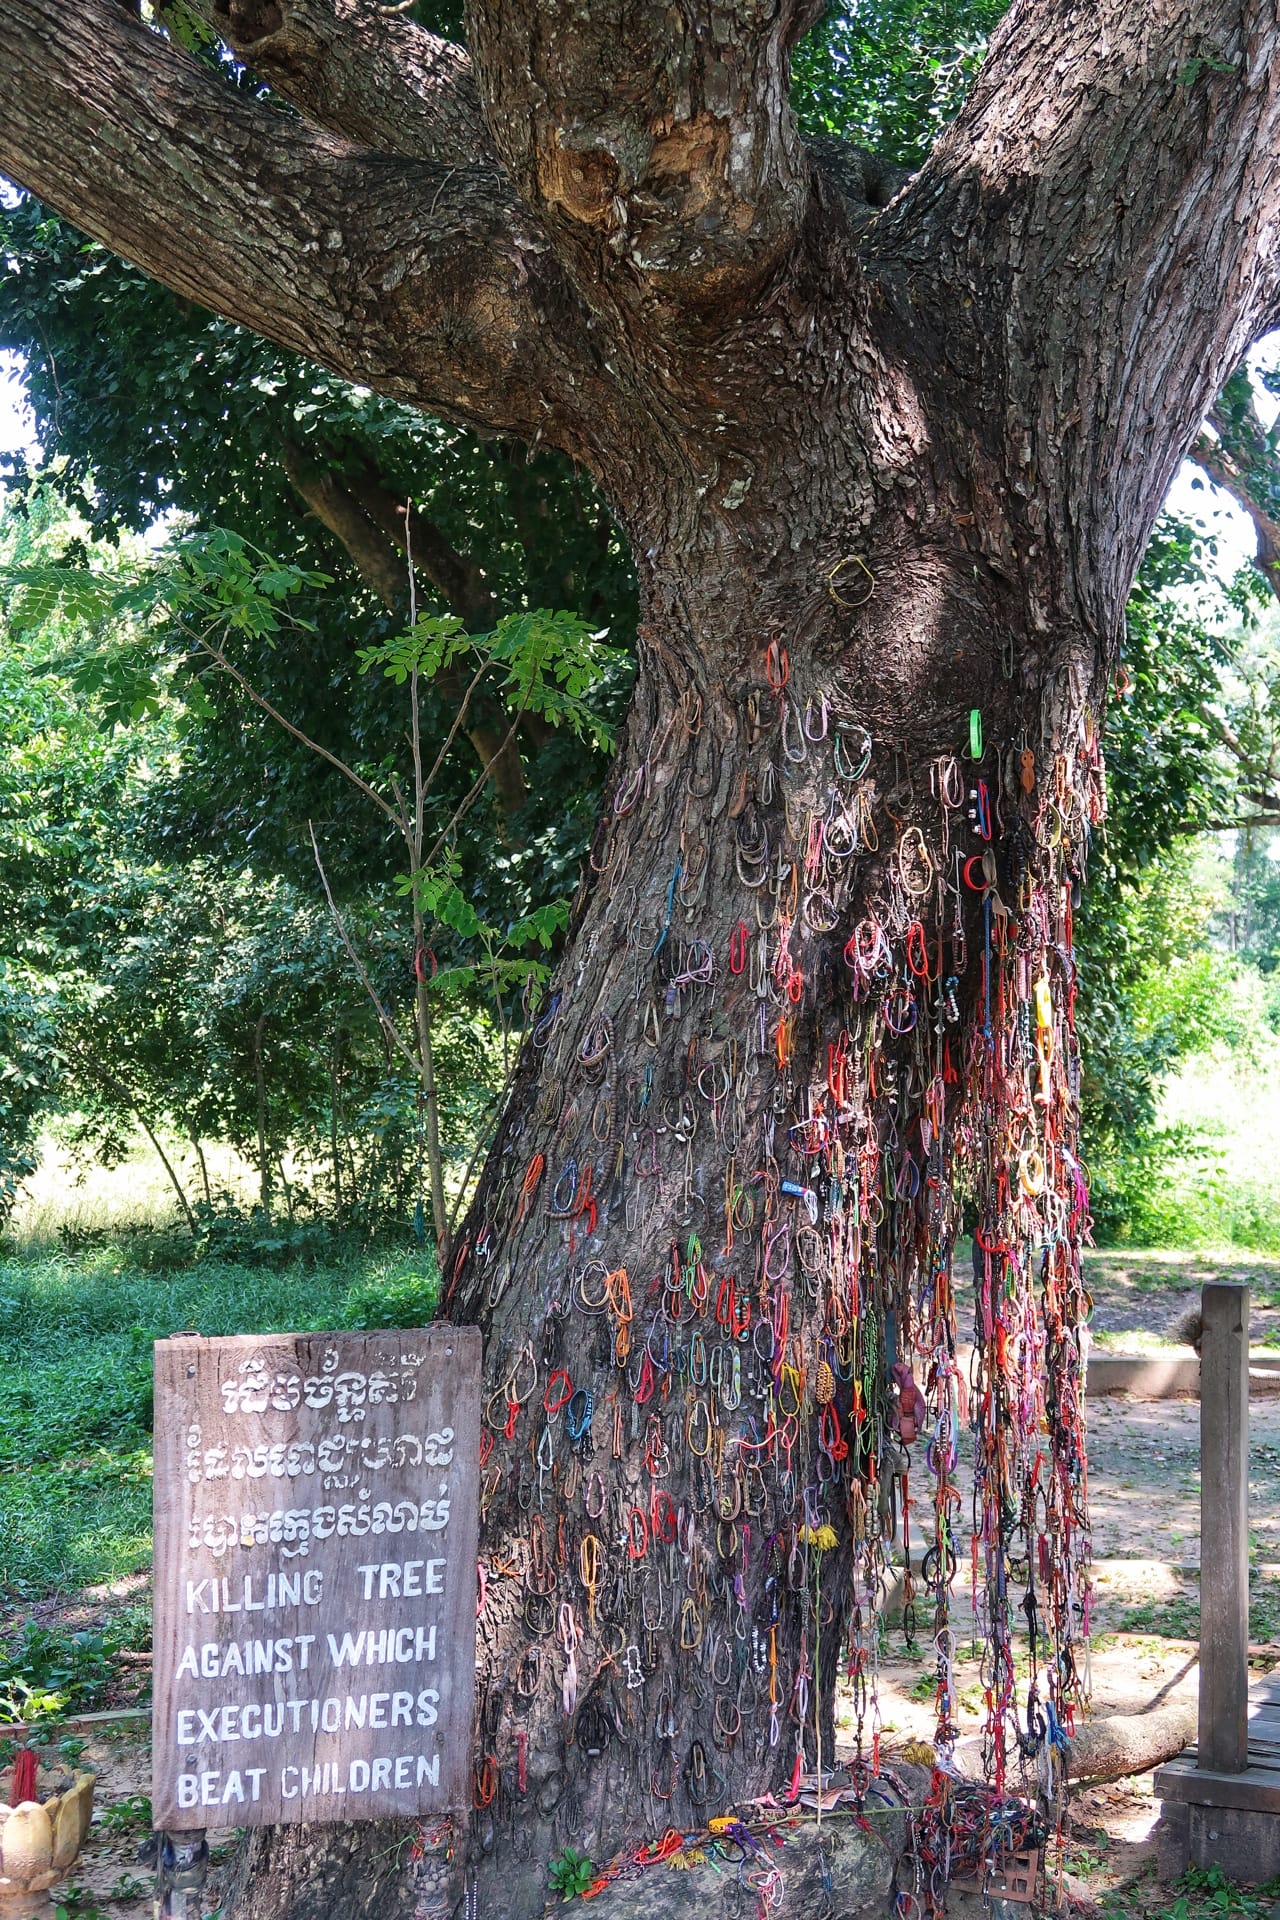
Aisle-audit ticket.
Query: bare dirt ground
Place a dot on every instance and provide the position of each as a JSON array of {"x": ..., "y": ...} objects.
[
  {"x": 1139, "y": 1296},
  {"x": 1144, "y": 1497}
]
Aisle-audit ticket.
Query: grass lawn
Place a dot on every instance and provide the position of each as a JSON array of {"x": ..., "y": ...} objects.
[{"x": 75, "y": 1387}]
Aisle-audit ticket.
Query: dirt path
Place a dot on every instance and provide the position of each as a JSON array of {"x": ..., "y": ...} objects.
[{"x": 1139, "y": 1296}]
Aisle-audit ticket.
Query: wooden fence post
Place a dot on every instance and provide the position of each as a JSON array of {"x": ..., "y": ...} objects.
[{"x": 1224, "y": 1528}]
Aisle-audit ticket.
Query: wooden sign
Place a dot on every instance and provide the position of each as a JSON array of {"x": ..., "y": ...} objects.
[{"x": 316, "y": 1518}]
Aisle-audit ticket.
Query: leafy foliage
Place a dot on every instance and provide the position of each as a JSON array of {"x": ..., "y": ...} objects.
[
  {"x": 890, "y": 77},
  {"x": 1153, "y": 989},
  {"x": 571, "y": 1874},
  {"x": 216, "y": 999}
]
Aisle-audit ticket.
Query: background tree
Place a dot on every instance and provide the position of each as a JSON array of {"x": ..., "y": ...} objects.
[
  {"x": 199, "y": 1000},
  {"x": 886, "y": 462}
]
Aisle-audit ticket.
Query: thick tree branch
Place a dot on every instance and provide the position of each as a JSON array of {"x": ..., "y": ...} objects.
[
  {"x": 428, "y": 284},
  {"x": 1097, "y": 238},
  {"x": 357, "y": 69},
  {"x": 1240, "y": 457},
  {"x": 336, "y": 508},
  {"x": 658, "y": 138},
  {"x": 1227, "y": 471},
  {"x": 1257, "y": 782}
]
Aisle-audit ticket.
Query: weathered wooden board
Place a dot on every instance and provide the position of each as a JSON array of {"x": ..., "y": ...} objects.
[
  {"x": 316, "y": 1517},
  {"x": 1255, "y": 1788}
]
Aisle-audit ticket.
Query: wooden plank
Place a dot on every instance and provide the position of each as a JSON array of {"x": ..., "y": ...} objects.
[
  {"x": 316, "y": 1521},
  {"x": 1224, "y": 1526},
  {"x": 1259, "y": 1756},
  {"x": 1254, "y": 1789}
]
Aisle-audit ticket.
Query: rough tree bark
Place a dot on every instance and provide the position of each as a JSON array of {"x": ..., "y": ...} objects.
[{"x": 883, "y": 468}]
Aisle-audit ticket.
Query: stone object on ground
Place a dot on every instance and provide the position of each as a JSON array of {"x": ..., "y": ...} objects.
[
  {"x": 40, "y": 1839},
  {"x": 838, "y": 1871}
]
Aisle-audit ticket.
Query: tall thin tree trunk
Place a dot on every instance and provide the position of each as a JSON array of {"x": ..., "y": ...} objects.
[
  {"x": 430, "y": 1096},
  {"x": 264, "y": 1152},
  {"x": 204, "y": 1170},
  {"x": 285, "y": 1187},
  {"x": 335, "y": 1147},
  {"x": 170, "y": 1170}
]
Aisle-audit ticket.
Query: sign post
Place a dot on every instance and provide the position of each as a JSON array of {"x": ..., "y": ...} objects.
[{"x": 316, "y": 1520}]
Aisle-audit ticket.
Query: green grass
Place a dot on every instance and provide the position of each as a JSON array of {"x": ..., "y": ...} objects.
[
  {"x": 1178, "y": 1617},
  {"x": 1202, "y": 1894},
  {"x": 1216, "y": 1188},
  {"x": 75, "y": 1385}
]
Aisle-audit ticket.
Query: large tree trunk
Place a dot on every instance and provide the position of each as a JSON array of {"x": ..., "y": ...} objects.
[{"x": 726, "y": 1191}]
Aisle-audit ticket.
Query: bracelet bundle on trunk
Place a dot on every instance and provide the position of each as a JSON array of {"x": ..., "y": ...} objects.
[{"x": 732, "y": 1354}]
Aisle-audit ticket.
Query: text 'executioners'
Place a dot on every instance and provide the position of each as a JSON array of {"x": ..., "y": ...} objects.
[{"x": 335, "y": 1714}]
